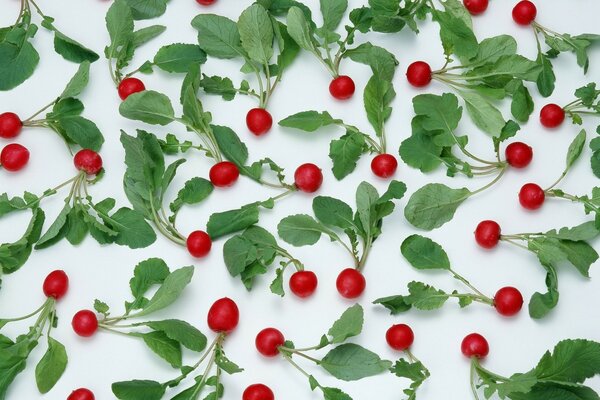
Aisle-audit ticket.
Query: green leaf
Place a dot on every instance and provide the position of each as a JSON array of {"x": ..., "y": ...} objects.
[
  {"x": 72, "y": 50},
  {"x": 483, "y": 113},
  {"x": 491, "y": 49},
  {"x": 556, "y": 392},
  {"x": 230, "y": 145},
  {"x": 309, "y": 121},
  {"x": 147, "y": 9},
  {"x": 395, "y": 304},
  {"x": 575, "y": 148},
  {"x": 78, "y": 82},
  {"x": 585, "y": 231},
  {"x": 132, "y": 229},
  {"x": 218, "y": 85},
  {"x": 138, "y": 390},
  {"x": 147, "y": 273},
  {"x": 179, "y": 57},
  {"x": 438, "y": 113},
  {"x": 333, "y": 11},
  {"x": 227, "y": 222},
  {"x": 81, "y": 131},
  {"x": 457, "y": 37},
  {"x": 299, "y": 29},
  {"x": 546, "y": 79},
  {"x": 218, "y": 36},
  {"x": 146, "y": 34},
  {"x": 522, "y": 105},
  {"x": 14, "y": 255},
  {"x": 163, "y": 346},
  {"x": 423, "y": 253},
  {"x": 382, "y": 62},
  {"x": 148, "y": 106},
  {"x": 51, "y": 366},
  {"x": 181, "y": 332},
  {"x": 300, "y": 230},
  {"x": 193, "y": 192},
  {"x": 119, "y": 23},
  {"x": 169, "y": 291},
  {"x": 351, "y": 362},
  {"x": 433, "y": 205},
  {"x": 256, "y": 33},
  {"x": 348, "y": 325},
  {"x": 334, "y": 394},
  {"x": 345, "y": 152},
  {"x": 425, "y": 297},
  {"x": 333, "y": 212},
  {"x": 378, "y": 96},
  {"x": 55, "y": 232},
  {"x": 571, "y": 361},
  {"x": 17, "y": 63},
  {"x": 67, "y": 107}
]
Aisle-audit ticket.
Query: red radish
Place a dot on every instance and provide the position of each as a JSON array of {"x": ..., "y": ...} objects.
[
  {"x": 259, "y": 121},
  {"x": 81, "y": 394},
  {"x": 14, "y": 157},
  {"x": 303, "y": 283},
  {"x": 224, "y": 174},
  {"x": 198, "y": 244},
  {"x": 476, "y": 7},
  {"x": 518, "y": 154},
  {"x": 400, "y": 337},
  {"x": 419, "y": 74},
  {"x": 475, "y": 345},
  {"x": 85, "y": 323},
  {"x": 10, "y": 125},
  {"x": 532, "y": 196},
  {"x": 88, "y": 161},
  {"x": 384, "y": 165},
  {"x": 350, "y": 283},
  {"x": 129, "y": 86},
  {"x": 552, "y": 115},
  {"x": 308, "y": 178},
  {"x": 56, "y": 284},
  {"x": 268, "y": 342},
  {"x": 223, "y": 315},
  {"x": 342, "y": 87},
  {"x": 258, "y": 391},
  {"x": 206, "y": 2},
  {"x": 524, "y": 12},
  {"x": 508, "y": 301},
  {"x": 487, "y": 234}
]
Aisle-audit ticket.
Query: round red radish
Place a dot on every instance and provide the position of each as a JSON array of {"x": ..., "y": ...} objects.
[
  {"x": 85, "y": 323},
  {"x": 350, "y": 283},
  {"x": 224, "y": 174},
  {"x": 258, "y": 391},
  {"x": 475, "y": 345},
  {"x": 518, "y": 154},
  {"x": 10, "y": 125},
  {"x": 259, "y": 121},
  {"x": 198, "y": 244},
  {"x": 384, "y": 165},
  {"x": 524, "y": 12},
  {"x": 56, "y": 284},
  {"x": 342, "y": 87},
  {"x": 508, "y": 301},
  {"x": 268, "y": 342},
  {"x": 487, "y": 234},
  {"x": 419, "y": 74},
  {"x": 308, "y": 178},
  {"x": 88, "y": 161},
  {"x": 81, "y": 394},
  {"x": 14, "y": 157},
  {"x": 129, "y": 86},
  {"x": 303, "y": 283},
  {"x": 476, "y": 7},
  {"x": 532, "y": 196},
  {"x": 223, "y": 315},
  {"x": 552, "y": 115},
  {"x": 206, "y": 2},
  {"x": 400, "y": 337}
]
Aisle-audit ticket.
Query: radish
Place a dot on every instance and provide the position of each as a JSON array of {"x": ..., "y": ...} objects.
[
  {"x": 524, "y": 12},
  {"x": 400, "y": 337},
  {"x": 198, "y": 244},
  {"x": 384, "y": 165},
  {"x": 508, "y": 301},
  {"x": 258, "y": 391},
  {"x": 88, "y": 161},
  {"x": 129, "y": 86},
  {"x": 224, "y": 174},
  {"x": 303, "y": 283},
  {"x": 419, "y": 74},
  {"x": 14, "y": 157},
  {"x": 268, "y": 342},
  {"x": 56, "y": 284},
  {"x": 518, "y": 154},
  {"x": 206, "y": 2},
  {"x": 81, "y": 394},
  {"x": 223, "y": 316},
  {"x": 350, "y": 283},
  {"x": 476, "y": 7},
  {"x": 475, "y": 346},
  {"x": 85, "y": 323},
  {"x": 532, "y": 196},
  {"x": 259, "y": 121},
  {"x": 342, "y": 87},
  {"x": 487, "y": 234},
  {"x": 552, "y": 115},
  {"x": 10, "y": 125},
  {"x": 308, "y": 178}
]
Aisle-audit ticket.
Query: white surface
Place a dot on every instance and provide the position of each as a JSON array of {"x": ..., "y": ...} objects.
[{"x": 104, "y": 272}]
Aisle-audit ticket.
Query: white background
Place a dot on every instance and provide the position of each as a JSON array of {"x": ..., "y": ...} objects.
[{"x": 104, "y": 272}]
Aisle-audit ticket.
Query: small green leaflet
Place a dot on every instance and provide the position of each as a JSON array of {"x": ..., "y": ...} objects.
[
  {"x": 51, "y": 366},
  {"x": 351, "y": 362},
  {"x": 348, "y": 325},
  {"x": 433, "y": 205}
]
